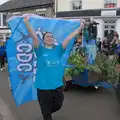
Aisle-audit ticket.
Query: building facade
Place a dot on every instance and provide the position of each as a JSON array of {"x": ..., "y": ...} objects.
[
  {"x": 4, "y": 31},
  {"x": 104, "y": 12},
  {"x": 20, "y": 7}
]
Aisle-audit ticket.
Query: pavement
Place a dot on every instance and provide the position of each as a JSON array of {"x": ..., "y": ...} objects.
[
  {"x": 5, "y": 113},
  {"x": 80, "y": 104}
]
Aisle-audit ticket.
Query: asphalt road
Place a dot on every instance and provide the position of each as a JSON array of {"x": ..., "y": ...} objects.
[{"x": 79, "y": 104}]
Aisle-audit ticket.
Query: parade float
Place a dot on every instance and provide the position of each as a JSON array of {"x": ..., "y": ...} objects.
[
  {"x": 87, "y": 67},
  {"x": 91, "y": 68}
]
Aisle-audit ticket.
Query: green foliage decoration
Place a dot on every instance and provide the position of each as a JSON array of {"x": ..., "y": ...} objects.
[
  {"x": 79, "y": 62},
  {"x": 108, "y": 68},
  {"x": 104, "y": 66}
]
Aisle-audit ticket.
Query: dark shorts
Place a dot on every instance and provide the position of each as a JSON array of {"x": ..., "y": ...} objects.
[{"x": 50, "y": 101}]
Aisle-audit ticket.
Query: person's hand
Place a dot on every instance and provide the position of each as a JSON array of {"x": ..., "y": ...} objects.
[
  {"x": 82, "y": 25},
  {"x": 82, "y": 22},
  {"x": 26, "y": 18}
]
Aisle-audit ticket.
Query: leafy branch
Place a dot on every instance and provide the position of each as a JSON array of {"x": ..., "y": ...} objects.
[{"x": 79, "y": 62}]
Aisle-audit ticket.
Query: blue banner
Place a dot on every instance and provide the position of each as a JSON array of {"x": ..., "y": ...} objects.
[{"x": 20, "y": 52}]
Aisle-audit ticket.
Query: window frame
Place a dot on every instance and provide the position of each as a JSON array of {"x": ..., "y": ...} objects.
[
  {"x": 3, "y": 20},
  {"x": 16, "y": 13},
  {"x": 74, "y": 3},
  {"x": 41, "y": 12},
  {"x": 108, "y": 2}
]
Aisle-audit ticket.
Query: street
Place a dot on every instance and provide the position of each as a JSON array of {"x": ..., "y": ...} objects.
[{"x": 79, "y": 104}]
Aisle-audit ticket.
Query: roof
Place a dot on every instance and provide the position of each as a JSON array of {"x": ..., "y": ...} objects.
[{"x": 22, "y": 4}]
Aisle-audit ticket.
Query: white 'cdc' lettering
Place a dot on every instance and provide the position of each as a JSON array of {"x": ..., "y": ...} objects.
[{"x": 24, "y": 57}]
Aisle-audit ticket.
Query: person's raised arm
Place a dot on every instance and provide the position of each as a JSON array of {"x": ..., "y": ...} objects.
[
  {"x": 36, "y": 42},
  {"x": 77, "y": 31}
]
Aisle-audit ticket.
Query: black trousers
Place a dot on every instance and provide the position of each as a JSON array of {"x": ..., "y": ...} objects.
[
  {"x": 50, "y": 101},
  {"x": 2, "y": 61}
]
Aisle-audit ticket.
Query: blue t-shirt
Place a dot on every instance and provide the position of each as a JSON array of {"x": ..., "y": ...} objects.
[
  {"x": 2, "y": 50},
  {"x": 50, "y": 71}
]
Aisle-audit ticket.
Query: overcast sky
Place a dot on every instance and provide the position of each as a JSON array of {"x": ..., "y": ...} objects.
[{"x": 3, "y": 1}]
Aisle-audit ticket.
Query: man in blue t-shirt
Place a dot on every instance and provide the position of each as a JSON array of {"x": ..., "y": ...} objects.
[{"x": 49, "y": 76}]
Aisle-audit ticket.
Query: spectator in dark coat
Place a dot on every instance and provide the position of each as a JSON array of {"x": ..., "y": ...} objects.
[{"x": 2, "y": 56}]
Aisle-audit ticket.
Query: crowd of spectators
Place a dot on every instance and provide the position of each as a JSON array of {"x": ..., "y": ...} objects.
[{"x": 110, "y": 45}]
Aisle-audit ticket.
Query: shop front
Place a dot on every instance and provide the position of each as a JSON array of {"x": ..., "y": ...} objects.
[
  {"x": 108, "y": 19},
  {"x": 4, "y": 34}
]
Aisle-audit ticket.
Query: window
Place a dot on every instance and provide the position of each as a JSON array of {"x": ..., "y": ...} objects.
[
  {"x": 76, "y": 4},
  {"x": 41, "y": 13},
  {"x": 109, "y": 26},
  {"x": 113, "y": 27},
  {"x": 106, "y": 27},
  {"x": 0, "y": 19},
  {"x": 110, "y": 3},
  {"x": 4, "y": 20},
  {"x": 16, "y": 13},
  {"x": 1, "y": 37},
  {"x": 8, "y": 36}
]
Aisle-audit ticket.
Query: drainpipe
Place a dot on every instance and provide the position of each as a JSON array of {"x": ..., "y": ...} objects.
[{"x": 56, "y": 7}]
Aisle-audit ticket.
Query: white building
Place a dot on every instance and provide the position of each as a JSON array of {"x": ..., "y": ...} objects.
[
  {"x": 20, "y": 7},
  {"x": 67, "y": 5},
  {"x": 105, "y": 12},
  {"x": 4, "y": 31}
]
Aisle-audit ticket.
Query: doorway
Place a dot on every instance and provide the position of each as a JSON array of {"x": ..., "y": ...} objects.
[{"x": 109, "y": 26}]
